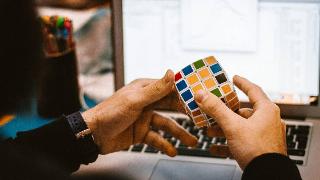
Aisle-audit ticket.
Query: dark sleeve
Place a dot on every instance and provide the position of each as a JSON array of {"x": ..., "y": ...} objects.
[
  {"x": 271, "y": 166},
  {"x": 56, "y": 143}
]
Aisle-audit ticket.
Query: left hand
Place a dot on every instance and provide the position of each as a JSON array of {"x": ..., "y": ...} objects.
[{"x": 128, "y": 118}]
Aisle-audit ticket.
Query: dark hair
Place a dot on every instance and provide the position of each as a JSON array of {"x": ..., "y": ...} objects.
[{"x": 20, "y": 54}]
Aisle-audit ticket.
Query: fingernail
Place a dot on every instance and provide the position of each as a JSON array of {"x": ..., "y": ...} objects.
[{"x": 200, "y": 96}]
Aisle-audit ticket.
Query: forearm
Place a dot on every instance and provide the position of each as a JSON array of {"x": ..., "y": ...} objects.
[
  {"x": 56, "y": 142},
  {"x": 271, "y": 166}
]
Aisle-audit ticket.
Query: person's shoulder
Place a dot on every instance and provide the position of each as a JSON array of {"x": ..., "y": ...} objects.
[{"x": 271, "y": 166}]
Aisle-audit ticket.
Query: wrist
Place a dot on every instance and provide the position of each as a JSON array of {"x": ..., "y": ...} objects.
[{"x": 89, "y": 118}]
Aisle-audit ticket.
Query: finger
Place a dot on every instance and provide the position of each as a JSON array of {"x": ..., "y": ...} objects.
[
  {"x": 283, "y": 124},
  {"x": 170, "y": 102},
  {"x": 155, "y": 140},
  {"x": 143, "y": 82},
  {"x": 156, "y": 90},
  {"x": 245, "y": 112},
  {"x": 215, "y": 131},
  {"x": 172, "y": 127},
  {"x": 216, "y": 109},
  {"x": 254, "y": 92}
]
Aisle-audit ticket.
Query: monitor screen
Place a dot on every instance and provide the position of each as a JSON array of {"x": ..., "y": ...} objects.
[{"x": 274, "y": 44}]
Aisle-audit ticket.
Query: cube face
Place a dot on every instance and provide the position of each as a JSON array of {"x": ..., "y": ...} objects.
[{"x": 204, "y": 74}]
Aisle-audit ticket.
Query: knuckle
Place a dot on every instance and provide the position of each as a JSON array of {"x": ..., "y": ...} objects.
[
  {"x": 135, "y": 81},
  {"x": 276, "y": 109},
  {"x": 256, "y": 88},
  {"x": 130, "y": 98},
  {"x": 157, "y": 88}
]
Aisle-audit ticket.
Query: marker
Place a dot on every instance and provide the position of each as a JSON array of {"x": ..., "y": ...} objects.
[
  {"x": 60, "y": 22},
  {"x": 52, "y": 41},
  {"x": 45, "y": 19}
]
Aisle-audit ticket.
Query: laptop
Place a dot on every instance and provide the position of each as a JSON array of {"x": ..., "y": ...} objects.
[{"x": 273, "y": 43}]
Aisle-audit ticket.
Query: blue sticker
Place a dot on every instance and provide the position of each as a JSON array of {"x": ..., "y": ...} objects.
[
  {"x": 192, "y": 105},
  {"x": 181, "y": 85},
  {"x": 186, "y": 95},
  {"x": 187, "y": 70},
  {"x": 215, "y": 68}
]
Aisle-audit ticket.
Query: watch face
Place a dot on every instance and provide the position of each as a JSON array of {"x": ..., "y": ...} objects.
[{"x": 204, "y": 74}]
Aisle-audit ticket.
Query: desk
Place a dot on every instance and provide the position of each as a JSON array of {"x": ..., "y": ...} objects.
[{"x": 30, "y": 120}]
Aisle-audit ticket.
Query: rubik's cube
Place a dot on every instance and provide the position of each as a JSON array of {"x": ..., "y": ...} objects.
[{"x": 206, "y": 74}]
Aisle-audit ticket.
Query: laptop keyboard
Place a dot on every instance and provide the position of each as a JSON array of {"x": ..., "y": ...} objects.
[{"x": 297, "y": 143}]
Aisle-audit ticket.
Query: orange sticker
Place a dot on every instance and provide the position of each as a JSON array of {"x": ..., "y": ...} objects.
[
  {"x": 197, "y": 88},
  {"x": 199, "y": 119},
  {"x": 226, "y": 88},
  {"x": 209, "y": 83},
  {"x": 204, "y": 73},
  {"x": 211, "y": 60},
  {"x": 192, "y": 79},
  {"x": 202, "y": 124},
  {"x": 230, "y": 96},
  {"x": 196, "y": 113}
]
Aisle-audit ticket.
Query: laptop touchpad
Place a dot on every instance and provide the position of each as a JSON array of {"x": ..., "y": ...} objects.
[{"x": 168, "y": 169}]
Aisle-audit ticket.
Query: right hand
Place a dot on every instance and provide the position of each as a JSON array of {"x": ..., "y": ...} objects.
[{"x": 252, "y": 132}]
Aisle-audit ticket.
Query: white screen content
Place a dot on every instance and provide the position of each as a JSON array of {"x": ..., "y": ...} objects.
[{"x": 273, "y": 44}]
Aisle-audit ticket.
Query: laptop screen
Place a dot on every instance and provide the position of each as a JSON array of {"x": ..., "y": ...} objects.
[{"x": 274, "y": 44}]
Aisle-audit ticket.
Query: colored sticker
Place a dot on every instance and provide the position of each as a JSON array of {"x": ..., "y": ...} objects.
[
  {"x": 215, "y": 68},
  {"x": 222, "y": 99},
  {"x": 221, "y": 78},
  {"x": 178, "y": 76},
  {"x": 199, "y": 119},
  {"x": 233, "y": 102},
  {"x": 226, "y": 88},
  {"x": 198, "y": 64},
  {"x": 210, "y": 60},
  {"x": 204, "y": 73},
  {"x": 181, "y": 85},
  {"x": 201, "y": 124},
  {"x": 196, "y": 113},
  {"x": 216, "y": 92},
  {"x": 192, "y": 105},
  {"x": 186, "y": 95},
  {"x": 197, "y": 88},
  {"x": 230, "y": 96},
  {"x": 209, "y": 83},
  {"x": 187, "y": 70},
  {"x": 192, "y": 79}
]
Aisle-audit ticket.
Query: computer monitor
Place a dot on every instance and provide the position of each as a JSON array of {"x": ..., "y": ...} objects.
[{"x": 272, "y": 43}]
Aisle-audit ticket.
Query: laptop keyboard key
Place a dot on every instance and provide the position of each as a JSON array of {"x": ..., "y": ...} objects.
[
  {"x": 302, "y": 145},
  {"x": 298, "y": 162},
  {"x": 291, "y": 145},
  {"x": 296, "y": 152},
  {"x": 137, "y": 147},
  {"x": 151, "y": 149},
  {"x": 193, "y": 152}
]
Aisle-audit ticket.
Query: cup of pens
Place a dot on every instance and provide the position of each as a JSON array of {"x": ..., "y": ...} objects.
[{"x": 58, "y": 91}]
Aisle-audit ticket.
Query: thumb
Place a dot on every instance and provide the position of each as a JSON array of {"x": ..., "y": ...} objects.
[
  {"x": 216, "y": 109},
  {"x": 157, "y": 89}
]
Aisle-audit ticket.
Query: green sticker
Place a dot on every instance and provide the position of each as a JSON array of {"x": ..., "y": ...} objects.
[
  {"x": 216, "y": 92},
  {"x": 198, "y": 64}
]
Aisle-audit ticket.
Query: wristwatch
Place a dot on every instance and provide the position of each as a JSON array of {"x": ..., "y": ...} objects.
[{"x": 85, "y": 143}]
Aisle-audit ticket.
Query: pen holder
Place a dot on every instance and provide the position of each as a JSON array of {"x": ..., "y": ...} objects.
[{"x": 59, "y": 89}]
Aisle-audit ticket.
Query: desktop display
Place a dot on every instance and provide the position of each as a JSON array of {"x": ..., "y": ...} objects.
[
  {"x": 204, "y": 74},
  {"x": 274, "y": 44}
]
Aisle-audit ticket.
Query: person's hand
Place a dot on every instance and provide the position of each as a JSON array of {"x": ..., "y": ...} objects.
[
  {"x": 128, "y": 118},
  {"x": 254, "y": 131}
]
